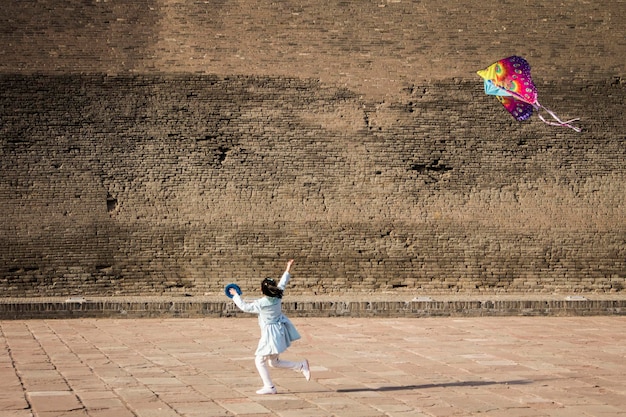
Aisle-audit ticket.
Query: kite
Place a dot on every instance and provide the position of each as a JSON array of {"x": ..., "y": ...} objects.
[{"x": 509, "y": 80}]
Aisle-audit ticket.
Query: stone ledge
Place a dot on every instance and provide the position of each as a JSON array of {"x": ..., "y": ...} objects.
[{"x": 352, "y": 306}]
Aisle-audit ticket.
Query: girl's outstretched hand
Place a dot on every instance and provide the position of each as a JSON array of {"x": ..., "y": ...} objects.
[{"x": 289, "y": 263}]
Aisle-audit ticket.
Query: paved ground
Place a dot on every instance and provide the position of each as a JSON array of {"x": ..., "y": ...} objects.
[{"x": 498, "y": 366}]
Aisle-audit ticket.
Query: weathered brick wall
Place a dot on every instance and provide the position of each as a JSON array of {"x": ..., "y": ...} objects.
[{"x": 123, "y": 172}]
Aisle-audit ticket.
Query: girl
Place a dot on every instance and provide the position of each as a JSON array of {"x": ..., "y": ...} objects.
[{"x": 277, "y": 331}]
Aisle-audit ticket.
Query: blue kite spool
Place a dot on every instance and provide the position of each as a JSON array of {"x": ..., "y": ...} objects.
[{"x": 228, "y": 287}]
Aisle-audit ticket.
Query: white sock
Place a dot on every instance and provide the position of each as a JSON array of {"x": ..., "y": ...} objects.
[{"x": 261, "y": 366}]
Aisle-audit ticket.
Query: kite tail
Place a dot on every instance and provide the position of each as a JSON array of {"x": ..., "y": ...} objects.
[{"x": 558, "y": 122}]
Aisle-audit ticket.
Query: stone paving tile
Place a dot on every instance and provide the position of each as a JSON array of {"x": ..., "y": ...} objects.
[
  {"x": 60, "y": 401},
  {"x": 487, "y": 367},
  {"x": 16, "y": 413}
]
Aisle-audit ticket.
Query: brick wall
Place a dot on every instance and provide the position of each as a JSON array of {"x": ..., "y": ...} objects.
[{"x": 127, "y": 170}]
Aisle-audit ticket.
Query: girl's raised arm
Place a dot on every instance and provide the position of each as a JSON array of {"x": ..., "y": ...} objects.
[{"x": 286, "y": 276}]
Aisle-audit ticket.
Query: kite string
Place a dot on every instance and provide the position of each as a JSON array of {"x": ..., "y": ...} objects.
[{"x": 555, "y": 117}]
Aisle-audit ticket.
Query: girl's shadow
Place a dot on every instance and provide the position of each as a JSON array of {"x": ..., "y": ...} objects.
[{"x": 447, "y": 384}]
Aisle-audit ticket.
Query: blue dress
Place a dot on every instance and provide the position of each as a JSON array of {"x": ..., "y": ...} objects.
[{"x": 277, "y": 331}]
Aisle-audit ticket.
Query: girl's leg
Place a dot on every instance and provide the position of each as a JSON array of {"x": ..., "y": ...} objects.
[
  {"x": 261, "y": 366},
  {"x": 276, "y": 362}
]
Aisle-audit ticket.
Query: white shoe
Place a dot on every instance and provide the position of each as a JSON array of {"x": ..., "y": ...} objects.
[
  {"x": 306, "y": 370},
  {"x": 267, "y": 390}
]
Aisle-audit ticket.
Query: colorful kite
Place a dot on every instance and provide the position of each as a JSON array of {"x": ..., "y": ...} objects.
[{"x": 509, "y": 80}]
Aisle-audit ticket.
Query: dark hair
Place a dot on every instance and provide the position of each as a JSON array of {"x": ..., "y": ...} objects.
[{"x": 269, "y": 288}]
